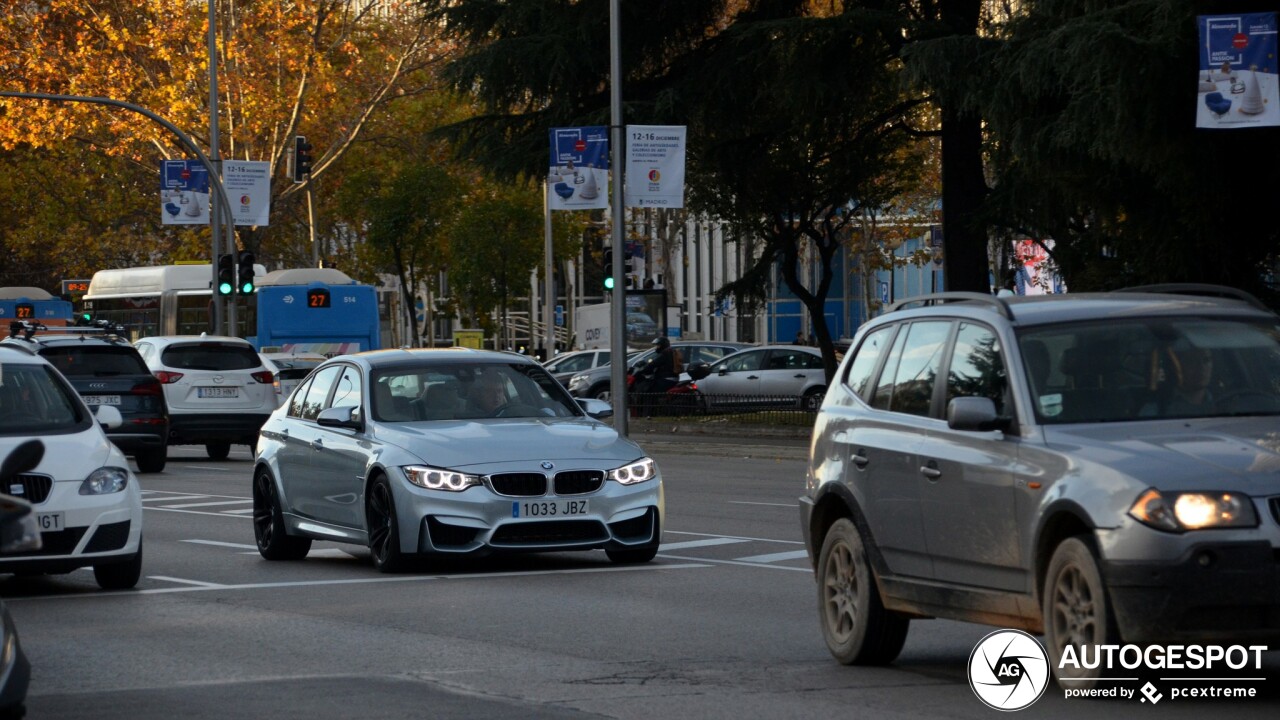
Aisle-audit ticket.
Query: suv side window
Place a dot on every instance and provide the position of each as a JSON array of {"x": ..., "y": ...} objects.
[
  {"x": 858, "y": 379},
  {"x": 318, "y": 392},
  {"x": 913, "y": 367},
  {"x": 977, "y": 369}
]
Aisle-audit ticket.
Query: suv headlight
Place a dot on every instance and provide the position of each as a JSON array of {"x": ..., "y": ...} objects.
[
  {"x": 638, "y": 471},
  {"x": 433, "y": 478},
  {"x": 104, "y": 481},
  {"x": 1179, "y": 512}
]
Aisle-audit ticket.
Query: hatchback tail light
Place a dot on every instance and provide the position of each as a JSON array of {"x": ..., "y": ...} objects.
[
  {"x": 166, "y": 377},
  {"x": 263, "y": 376},
  {"x": 148, "y": 387}
]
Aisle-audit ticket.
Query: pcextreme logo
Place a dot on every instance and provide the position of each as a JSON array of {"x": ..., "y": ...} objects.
[{"x": 1008, "y": 670}]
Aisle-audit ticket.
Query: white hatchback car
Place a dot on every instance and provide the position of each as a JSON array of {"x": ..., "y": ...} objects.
[
  {"x": 289, "y": 370},
  {"x": 86, "y": 500},
  {"x": 217, "y": 388}
]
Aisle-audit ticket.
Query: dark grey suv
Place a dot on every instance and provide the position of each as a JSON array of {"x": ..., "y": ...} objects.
[{"x": 1097, "y": 468}]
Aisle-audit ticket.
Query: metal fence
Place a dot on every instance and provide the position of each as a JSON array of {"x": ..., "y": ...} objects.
[{"x": 761, "y": 409}]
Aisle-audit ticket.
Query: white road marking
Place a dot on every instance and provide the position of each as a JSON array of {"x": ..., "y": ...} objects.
[
  {"x": 699, "y": 543},
  {"x": 734, "y": 537},
  {"x": 322, "y": 553},
  {"x": 208, "y": 504},
  {"x": 209, "y": 467},
  {"x": 179, "y": 495},
  {"x": 744, "y": 502},
  {"x": 235, "y": 512},
  {"x": 775, "y": 557},
  {"x": 736, "y": 562},
  {"x": 197, "y": 512},
  {"x": 372, "y": 580},
  {"x": 197, "y": 583},
  {"x": 219, "y": 543},
  {"x": 170, "y": 498}
]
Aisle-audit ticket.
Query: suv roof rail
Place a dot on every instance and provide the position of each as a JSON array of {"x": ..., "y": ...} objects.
[
  {"x": 21, "y": 347},
  {"x": 998, "y": 304},
  {"x": 1199, "y": 290}
]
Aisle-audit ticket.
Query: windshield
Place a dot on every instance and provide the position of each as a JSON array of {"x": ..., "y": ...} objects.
[
  {"x": 1152, "y": 368},
  {"x": 464, "y": 391},
  {"x": 95, "y": 360},
  {"x": 34, "y": 401}
]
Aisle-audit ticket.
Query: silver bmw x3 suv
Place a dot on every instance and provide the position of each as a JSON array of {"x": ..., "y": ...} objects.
[
  {"x": 449, "y": 453},
  {"x": 1094, "y": 467}
]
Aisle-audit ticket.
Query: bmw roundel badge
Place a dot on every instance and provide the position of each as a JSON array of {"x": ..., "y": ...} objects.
[{"x": 546, "y": 465}]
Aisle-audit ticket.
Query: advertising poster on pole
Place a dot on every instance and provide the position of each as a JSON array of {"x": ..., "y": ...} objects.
[
  {"x": 655, "y": 166},
  {"x": 579, "y": 174},
  {"x": 1238, "y": 71},
  {"x": 248, "y": 184},
  {"x": 184, "y": 193}
]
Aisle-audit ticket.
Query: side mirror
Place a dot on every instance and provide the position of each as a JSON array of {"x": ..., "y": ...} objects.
[
  {"x": 722, "y": 371},
  {"x": 697, "y": 371},
  {"x": 343, "y": 417},
  {"x": 597, "y": 409},
  {"x": 18, "y": 529},
  {"x": 109, "y": 417},
  {"x": 976, "y": 414}
]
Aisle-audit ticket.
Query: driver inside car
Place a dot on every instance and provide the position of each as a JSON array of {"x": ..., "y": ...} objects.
[{"x": 488, "y": 395}]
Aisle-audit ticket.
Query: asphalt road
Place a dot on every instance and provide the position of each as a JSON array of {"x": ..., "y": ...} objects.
[{"x": 722, "y": 624}]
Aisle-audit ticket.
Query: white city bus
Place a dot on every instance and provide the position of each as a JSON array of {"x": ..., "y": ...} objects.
[{"x": 163, "y": 300}]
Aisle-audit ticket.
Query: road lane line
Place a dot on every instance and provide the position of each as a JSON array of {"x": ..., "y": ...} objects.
[
  {"x": 210, "y": 467},
  {"x": 179, "y": 495},
  {"x": 744, "y": 502},
  {"x": 209, "y": 504},
  {"x": 739, "y": 563},
  {"x": 197, "y": 583},
  {"x": 774, "y": 557},
  {"x": 235, "y": 512},
  {"x": 171, "y": 498},
  {"x": 699, "y": 543},
  {"x": 375, "y": 580},
  {"x": 735, "y": 537},
  {"x": 197, "y": 512},
  {"x": 219, "y": 543}
]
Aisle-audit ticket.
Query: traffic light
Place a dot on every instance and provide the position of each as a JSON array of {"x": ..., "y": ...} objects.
[
  {"x": 301, "y": 158},
  {"x": 245, "y": 287},
  {"x": 226, "y": 275},
  {"x": 608, "y": 269}
]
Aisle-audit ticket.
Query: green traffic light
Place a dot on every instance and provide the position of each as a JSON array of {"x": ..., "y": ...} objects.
[
  {"x": 86, "y": 316},
  {"x": 246, "y": 289},
  {"x": 224, "y": 288},
  {"x": 608, "y": 283}
]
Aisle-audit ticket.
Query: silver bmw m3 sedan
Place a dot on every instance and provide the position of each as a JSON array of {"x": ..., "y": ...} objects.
[{"x": 455, "y": 452}]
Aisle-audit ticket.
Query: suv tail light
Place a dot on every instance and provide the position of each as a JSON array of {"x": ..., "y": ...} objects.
[
  {"x": 148, "y": 387},
  {"x": 263, "y": 376},
  {"x": 166, "y": 377}
]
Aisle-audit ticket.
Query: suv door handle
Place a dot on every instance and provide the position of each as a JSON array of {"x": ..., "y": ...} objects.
[
  {"x": 753, "y": 377},
  {"x": 317, "y": 444},
  {"x": 930, "y": 470},
  {"x": 861, "y": 459},
  {"x": 801, "y": 376}
]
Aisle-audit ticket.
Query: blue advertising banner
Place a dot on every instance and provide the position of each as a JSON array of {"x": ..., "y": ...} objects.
[
  {"x": 184, "y": 193},
  {"x": 579, "y": 174},
  {"x": 1238, "y": 75}
]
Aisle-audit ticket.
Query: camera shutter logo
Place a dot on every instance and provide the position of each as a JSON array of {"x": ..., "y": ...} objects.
[{"x": 1008, "y": 670}]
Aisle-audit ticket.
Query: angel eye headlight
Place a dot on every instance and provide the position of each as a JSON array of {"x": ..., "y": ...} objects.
[
  {"x": 433, "y": 478},
  {"x": 638, "y": 471}
]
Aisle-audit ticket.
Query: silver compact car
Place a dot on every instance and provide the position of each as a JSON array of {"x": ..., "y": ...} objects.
[
  {"x": 1097, "y": 467},
  {"x": 449, "y": 453}
]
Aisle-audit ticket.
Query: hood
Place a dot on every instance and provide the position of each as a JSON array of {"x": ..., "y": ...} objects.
[
  {"x": 479, "y": 444},
  {"x": 1183, "y": 454},
  {"x": 69, "y": 457}
]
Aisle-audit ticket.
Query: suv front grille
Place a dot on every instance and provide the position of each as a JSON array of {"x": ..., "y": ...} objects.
[
  {"x": 578, "y": 482},
  {"x": 31, "y": 487},
  {"x": 519, "y": 484}
]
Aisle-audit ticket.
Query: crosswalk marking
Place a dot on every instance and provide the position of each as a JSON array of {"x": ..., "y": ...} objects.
[
  {"x": 197, "y": 583},
  {"x": 775, "y": 557},
  {"x": 699, "y": 543}
]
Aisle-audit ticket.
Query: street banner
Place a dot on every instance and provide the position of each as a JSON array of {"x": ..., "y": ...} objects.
[
  {"x": 655, "y": 166},
  {"x": 184, "y": 193},
  {"x": 248, "y": 184},
  {"x": 1238, "y": 71},
  {"x": 579, "y": 174}
]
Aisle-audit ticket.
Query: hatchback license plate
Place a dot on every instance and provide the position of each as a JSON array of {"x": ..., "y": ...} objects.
[
  {"x": 216, "y": 392},
  {"x": 50, "y": 522},
  {"x": 548, "y": 508},
  {"x": 101, "y": 399}
]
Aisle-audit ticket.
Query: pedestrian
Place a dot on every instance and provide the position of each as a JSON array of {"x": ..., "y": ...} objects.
[
  {"x": 661, "y": 373},
  {"x": 813, "y": 341},
  {"x": 799, "y": 337}
]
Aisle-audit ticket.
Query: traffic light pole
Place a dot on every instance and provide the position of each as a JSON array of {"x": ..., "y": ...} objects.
[
  {"x": 215, "y": 180},
  {"x": 618, "y": 310}
]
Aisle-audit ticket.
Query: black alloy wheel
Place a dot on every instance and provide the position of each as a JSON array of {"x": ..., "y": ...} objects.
[
  {"x": 268, "y": 524},
  {"x": 384, "y": 530}
]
